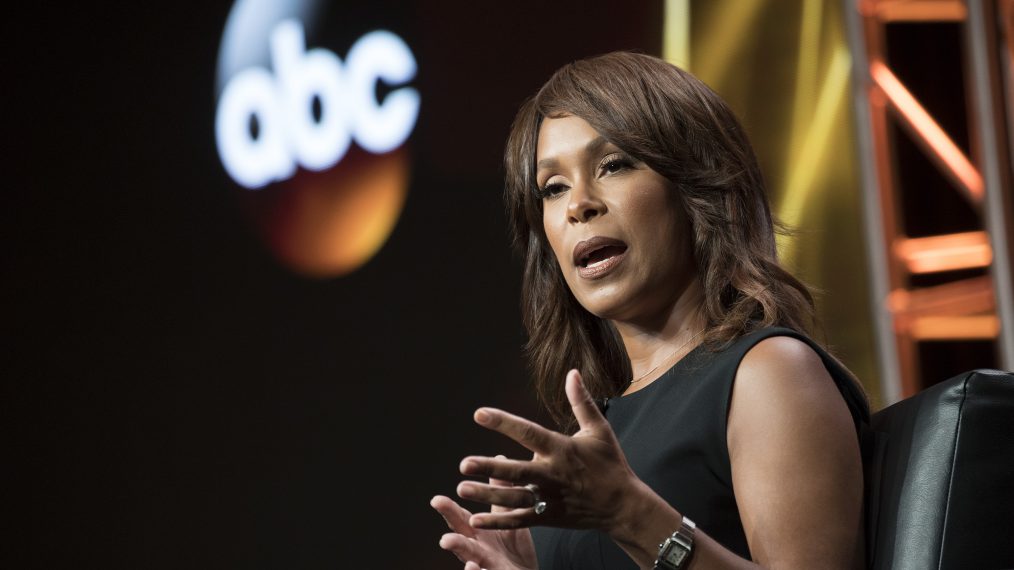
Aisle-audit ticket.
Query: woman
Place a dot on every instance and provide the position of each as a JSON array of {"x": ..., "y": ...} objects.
[{"x": 667, "y": 341}]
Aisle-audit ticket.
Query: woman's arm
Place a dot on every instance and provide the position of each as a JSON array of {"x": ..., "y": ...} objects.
[
  {"x": 795, "y": 465},
  {"x": 796, "y": 471}
]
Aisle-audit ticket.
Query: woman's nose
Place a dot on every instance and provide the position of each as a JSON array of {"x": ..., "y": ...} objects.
[{"x": 584, "y": 204}]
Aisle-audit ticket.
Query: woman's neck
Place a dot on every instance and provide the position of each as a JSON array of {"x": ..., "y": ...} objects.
[{"x": 666, "y": 337}]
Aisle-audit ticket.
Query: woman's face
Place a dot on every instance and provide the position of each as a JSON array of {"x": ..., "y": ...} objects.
[{"x": 616, "y": 226}]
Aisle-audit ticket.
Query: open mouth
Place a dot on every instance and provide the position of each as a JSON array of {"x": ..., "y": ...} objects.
[
  {"x": 601, "y": 255},
  {"x": 596, "y": 257}
]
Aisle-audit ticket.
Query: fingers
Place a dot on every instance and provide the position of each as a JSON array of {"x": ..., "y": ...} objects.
[
  {"x": 526, "y": 432},
  {"x": 509, "y": 520},
  {"x": 506, "y": 470},
  {"x": 467, "y": 550},
  {"x": 454, "y": 515},
  {"x": 499, "y": 483},
  {"x": 507, "y": 497},
  {"x": 581, "y": 402}
]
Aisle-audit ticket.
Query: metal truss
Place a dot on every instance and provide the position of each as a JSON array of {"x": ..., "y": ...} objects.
[{"x": 964, "y": 308}]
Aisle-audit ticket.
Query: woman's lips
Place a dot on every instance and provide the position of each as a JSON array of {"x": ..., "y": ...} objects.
[
  {"x": 597, "y": 260},
  {"x": 587, "y": 247}
]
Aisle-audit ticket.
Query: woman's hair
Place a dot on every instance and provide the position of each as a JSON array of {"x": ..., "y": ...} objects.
[{"x": 680, "y": 128}]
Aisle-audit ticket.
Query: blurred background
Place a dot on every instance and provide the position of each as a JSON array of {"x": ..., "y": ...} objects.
[{"x": 203, "y": 374}]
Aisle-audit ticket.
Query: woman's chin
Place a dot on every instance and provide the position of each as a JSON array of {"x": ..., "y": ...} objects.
[{"x": 611, "y": 305}]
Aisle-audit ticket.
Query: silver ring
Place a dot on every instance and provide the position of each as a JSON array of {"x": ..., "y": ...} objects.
[{"x": 537, "y": 503}]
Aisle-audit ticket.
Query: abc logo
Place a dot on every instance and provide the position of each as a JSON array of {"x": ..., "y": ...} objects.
[
  {"x": 324, "y": 153},
  {"x": 283, "y": 105}
]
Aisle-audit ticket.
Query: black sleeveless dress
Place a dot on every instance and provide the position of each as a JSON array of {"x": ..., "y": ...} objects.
[{"x": 673, "y": 433}]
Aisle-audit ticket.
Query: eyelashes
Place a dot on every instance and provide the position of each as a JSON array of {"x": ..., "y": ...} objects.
[
  {"x": 615, "y": 163},
  {"x": 610, "y": 164},
  {"x": 550, "y": 190}
]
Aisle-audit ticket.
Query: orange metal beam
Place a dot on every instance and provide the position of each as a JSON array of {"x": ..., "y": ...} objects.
[
  {"x": 977, "y": 327},
  {"x": 925, "y": 11},
  {"x": 966, "y": 297},
  {"x": 944, "y": 252},
  {"x": 927, "y": 131}
]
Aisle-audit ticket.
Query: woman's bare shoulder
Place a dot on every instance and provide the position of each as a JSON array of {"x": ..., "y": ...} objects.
[
  {"x": 785, "y": 370},
  {"x": 795, "y": 458}
]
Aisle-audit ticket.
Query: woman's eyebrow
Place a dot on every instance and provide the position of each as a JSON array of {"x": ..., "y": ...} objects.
[{"x": 594, "y": 146}]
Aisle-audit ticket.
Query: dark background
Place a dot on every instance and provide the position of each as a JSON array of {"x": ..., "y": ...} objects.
[{"x": 172, "y": 395}]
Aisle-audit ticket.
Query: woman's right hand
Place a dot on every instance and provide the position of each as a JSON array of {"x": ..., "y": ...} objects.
[{"x": 484, "y": 549}]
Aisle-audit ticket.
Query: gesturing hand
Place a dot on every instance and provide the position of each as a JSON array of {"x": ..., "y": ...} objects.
[
  {"x": 583, "y": 478},
  {"x": 484, "y": 549}
]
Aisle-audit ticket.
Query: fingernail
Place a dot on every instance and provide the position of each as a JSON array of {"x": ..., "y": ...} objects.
[
  {"x": 467, "y": 465},
  {"x": 482, "y": 416}
]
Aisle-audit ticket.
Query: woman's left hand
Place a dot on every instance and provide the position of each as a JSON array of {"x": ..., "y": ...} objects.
[{"x": 584, "y": 478}]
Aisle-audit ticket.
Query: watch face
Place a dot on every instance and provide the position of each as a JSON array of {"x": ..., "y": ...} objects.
[{"x": 674, "y": 554}]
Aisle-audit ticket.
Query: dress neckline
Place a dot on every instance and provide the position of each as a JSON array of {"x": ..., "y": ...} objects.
[{"x": 662, "y": 379}]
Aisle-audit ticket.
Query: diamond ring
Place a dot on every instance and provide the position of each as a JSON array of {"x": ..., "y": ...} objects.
[{"x": 538, "y": 504}]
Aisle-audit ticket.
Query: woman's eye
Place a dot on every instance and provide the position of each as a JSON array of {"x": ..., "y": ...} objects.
[
  {"x": 550, "y": 190},
  {"x": 615, "y": 164}
]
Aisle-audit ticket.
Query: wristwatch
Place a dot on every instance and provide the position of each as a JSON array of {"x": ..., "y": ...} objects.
[{"x": 675, "y": 551}]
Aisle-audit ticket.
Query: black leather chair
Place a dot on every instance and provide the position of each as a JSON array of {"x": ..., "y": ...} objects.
[{"x": 940, "y": 477}]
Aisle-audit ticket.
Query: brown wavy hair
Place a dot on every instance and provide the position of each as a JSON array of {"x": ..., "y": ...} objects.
[{"x": 670, "y": 120}]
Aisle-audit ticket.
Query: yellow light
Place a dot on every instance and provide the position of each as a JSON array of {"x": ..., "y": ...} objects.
[
  {"x": 676, "y": 40},
  {"x": 722, "y": 38},
  {"x": 815, "y": 141}
]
